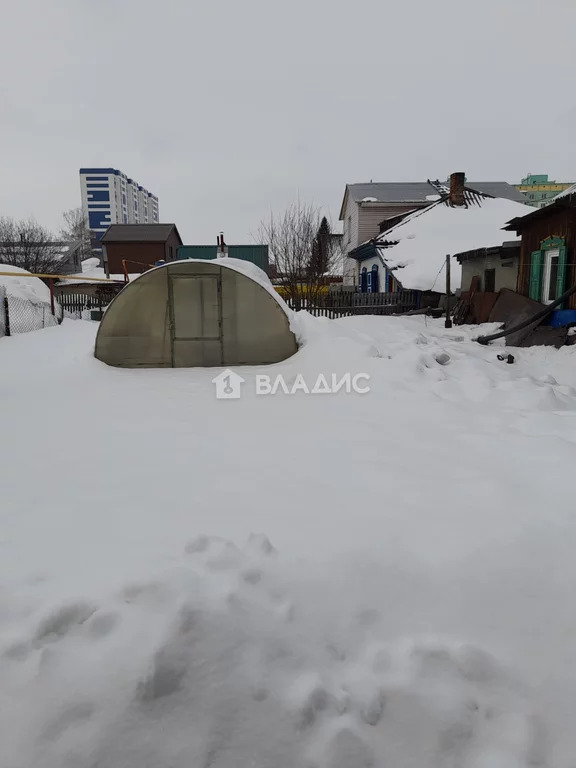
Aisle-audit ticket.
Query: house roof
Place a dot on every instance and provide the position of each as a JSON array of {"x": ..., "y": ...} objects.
[
  {"x": 421, "y": 192},
  {"x": 416, "y": 248},
  {"x": 566, "y": 199},
  {"x": 508, "y": 249},
  {"x": 91, "y": 268},
  {"x": 136, "y": 233},
  {"x": 67, "y": 249},
  {"x": 61, "y": 249}
]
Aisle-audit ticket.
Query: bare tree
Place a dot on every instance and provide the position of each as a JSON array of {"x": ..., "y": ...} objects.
[
  {"x": 302, "y": 248},
  {"x": 76, "y": 228},
  {"x": 28, "y": 245}
]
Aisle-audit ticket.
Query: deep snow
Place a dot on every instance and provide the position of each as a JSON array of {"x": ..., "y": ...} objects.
[{"x": 418, "y": 609}]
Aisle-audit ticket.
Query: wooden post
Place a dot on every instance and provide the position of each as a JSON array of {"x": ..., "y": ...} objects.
[
  {"x": 448, "y": 323},
  {"x": 6, "y": 316},
  {"x": 51, "y": 286}
]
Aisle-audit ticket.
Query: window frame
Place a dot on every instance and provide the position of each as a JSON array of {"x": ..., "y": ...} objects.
[
  {"x": 541, "y": 270},
  {"x": 551, "y": 253}
]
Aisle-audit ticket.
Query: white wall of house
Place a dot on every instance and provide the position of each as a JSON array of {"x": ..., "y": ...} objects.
[
  {"x": 350, "y": 225},
  {"x": 506, "y": 272},
  {"x": 368, "y": 263},
  {"x": 361, "y": 222}
]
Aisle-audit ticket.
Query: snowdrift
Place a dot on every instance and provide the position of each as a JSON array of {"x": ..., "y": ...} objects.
[
  {"x": 215, "y": 664},
  {"x": 26, "y": 288},
  {"x": 418, "y": 610}
]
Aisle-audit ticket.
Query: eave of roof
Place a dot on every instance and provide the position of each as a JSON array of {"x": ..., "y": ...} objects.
[{"x": 517, "y": 224}]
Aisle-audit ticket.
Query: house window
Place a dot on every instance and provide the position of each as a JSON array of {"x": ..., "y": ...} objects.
[
  {"x": 548, "y": 271},
  {"x": 349, "y": 229},
  {"x": 369, "y": 282},
  {"x": 490, "y": 280},
  {"x": 363, "y": 280},
  {"x": 375, "y": 281}
]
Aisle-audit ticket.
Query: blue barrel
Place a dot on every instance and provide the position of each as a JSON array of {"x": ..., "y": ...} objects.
[{"x": 562, "y": 317}]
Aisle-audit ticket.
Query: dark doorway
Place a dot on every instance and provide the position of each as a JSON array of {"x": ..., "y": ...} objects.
[{"x": 490, "y": 280}]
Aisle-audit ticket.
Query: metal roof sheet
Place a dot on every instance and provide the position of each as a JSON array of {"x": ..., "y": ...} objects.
[{"x": 131, "y": 233}]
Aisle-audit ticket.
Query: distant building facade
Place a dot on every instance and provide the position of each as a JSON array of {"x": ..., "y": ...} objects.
[
  {"x": 539, "y": 190},
  {"x": 110, "y": 197}
]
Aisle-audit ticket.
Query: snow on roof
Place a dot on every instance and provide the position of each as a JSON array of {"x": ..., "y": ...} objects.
[
  {"x": 27, "y": 288},
  {"x": 90, "y": 271},
  {"x": 91, "y": 268},
  {"x": 91, "y": 263},
  {"x": 427, "y": 236},
  {"x": 369, "y": 200}
]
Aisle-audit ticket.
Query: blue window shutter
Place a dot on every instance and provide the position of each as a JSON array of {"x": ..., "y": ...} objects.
[
  {"x": 561, "y": 279},
  {"x": 536, "y": 262},
  {"x": 375, "y": 277}
]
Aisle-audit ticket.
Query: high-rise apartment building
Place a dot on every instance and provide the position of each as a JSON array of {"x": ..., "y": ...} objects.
[
  {"x": 110, "y": 197},
  {"x": 539, "y": 190}
]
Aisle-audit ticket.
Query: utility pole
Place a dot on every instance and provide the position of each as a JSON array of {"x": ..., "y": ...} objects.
[{"x": 448, "y": 323}]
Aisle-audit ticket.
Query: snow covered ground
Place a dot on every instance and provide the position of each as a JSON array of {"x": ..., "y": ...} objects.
[{"x": 415, "y": 608}]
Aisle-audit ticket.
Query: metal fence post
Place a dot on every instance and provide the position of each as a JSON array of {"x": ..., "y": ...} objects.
[
  {"x": 6, "y": 315},
  {"x": 448, "y": 321}
]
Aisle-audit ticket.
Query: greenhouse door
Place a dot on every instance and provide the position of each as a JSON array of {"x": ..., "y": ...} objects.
[{"x": 196, "y": 320}]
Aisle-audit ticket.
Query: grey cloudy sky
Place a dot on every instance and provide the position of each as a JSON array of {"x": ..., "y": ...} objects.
[{"x": 226, "y": 109}]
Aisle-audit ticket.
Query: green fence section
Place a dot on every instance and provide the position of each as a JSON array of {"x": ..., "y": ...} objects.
[
  {"x": 197, "y": 251},
  {"x": 256, "y": 254}
]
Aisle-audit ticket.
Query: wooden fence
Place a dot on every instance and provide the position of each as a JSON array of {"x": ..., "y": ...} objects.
[
  {"x": 76, "y": 303},
  {"x": 346, "y": 303}
]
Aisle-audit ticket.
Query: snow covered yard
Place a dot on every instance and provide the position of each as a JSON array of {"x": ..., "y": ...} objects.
[{"x": 417, "y": 609}]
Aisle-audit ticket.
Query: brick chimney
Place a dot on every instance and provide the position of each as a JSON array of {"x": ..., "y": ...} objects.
[{"x": 457, "y": 181}]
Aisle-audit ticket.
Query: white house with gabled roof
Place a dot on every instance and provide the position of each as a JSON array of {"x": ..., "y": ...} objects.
[
  {"x": 368, "y": 209},
  {"x": 410, "y": 254}
]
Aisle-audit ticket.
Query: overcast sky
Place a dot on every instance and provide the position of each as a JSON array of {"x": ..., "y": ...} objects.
[{"x": 229, "y": 108}]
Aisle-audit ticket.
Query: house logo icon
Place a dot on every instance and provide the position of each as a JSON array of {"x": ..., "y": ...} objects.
[{"x": 228, "y": 385}]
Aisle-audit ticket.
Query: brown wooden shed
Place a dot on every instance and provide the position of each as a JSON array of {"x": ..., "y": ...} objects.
[
  {"x": 548, "y": 251},
  {"x": 138, "y": 246}
]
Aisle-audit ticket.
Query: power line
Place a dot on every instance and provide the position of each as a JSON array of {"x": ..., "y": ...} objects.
[{"x": 438, "y": 275}]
